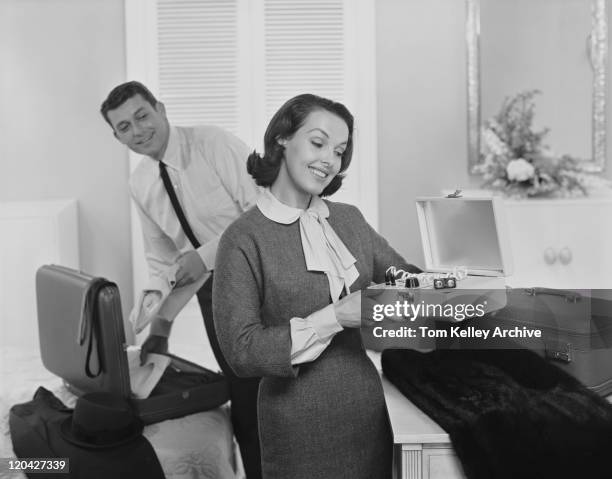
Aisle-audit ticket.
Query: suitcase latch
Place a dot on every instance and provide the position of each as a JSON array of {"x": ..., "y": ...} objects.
[{"x": 559, "y": 352}]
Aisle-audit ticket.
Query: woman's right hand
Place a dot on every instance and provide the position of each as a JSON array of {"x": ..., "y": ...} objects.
[{"x": 355, "y": 309}]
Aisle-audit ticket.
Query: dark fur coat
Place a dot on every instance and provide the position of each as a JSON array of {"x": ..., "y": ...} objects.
[{"x": 509, "y": 413}]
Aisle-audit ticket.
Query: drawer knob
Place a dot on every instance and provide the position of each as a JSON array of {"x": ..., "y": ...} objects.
[
  {"x": 565, "y": 255},
  {"x": 550, "y": 256}
]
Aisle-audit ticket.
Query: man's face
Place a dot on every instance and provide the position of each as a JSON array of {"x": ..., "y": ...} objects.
[{"x": 141, "y": 127}]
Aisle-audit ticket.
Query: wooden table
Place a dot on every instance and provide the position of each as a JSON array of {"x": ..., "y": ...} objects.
[{"x": 422, "y": 448}]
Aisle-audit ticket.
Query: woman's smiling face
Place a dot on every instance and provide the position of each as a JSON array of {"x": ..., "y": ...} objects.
[{"x": 312, "y": 158}]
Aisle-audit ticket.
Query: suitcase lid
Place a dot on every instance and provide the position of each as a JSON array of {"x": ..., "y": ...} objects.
[
  {"x": 468, "y": 232},
  {"x": 61, "y": 294}
]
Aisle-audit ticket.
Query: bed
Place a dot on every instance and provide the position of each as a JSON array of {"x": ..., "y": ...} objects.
[{"x": 198, "y": 446}]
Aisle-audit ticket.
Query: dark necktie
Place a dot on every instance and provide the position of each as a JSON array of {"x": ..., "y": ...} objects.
[{"x": 163, "y": 172}]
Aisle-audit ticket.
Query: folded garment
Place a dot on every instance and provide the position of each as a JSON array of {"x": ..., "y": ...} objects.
[
  {"x": 144, "y": 377},
  {"x": 152, "y": 297},
  {"x": 509, "y": 413}
]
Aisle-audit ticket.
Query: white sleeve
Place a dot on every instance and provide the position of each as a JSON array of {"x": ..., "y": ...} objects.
[
  {"x": 161, "y": 253},
  {"x": 312, "y": 334},
  {"x": 229, "y": 161}
]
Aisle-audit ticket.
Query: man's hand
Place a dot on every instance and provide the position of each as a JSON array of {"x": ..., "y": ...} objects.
[
  {"x": 191, "y": 268},
  {"x": 153, "y": 344}
]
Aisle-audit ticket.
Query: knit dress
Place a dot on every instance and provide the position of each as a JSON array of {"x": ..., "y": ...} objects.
[{"x": 324, "y": 419}]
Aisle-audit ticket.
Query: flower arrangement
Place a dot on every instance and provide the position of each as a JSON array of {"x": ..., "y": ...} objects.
[{"x": 515, "y": 160}]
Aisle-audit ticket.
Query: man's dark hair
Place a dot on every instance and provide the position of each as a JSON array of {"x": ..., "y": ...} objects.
[
  {"x": 287, "y": 120},
  {"x": 121, "y": 93}
]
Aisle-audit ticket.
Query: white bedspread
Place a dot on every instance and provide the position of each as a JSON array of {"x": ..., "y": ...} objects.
[{"x": 199, "y": 446}]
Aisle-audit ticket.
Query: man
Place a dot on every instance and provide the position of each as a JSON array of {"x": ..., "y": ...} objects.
[{"x": 206, "y": 167}]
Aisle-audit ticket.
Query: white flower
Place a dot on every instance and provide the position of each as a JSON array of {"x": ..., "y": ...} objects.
[
  {"x": 519, "y": 170},
  {"x": 492, "y": 143}
]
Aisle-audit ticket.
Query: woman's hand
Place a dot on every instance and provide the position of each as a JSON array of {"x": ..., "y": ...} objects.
[{"x": 355, "y": 309}]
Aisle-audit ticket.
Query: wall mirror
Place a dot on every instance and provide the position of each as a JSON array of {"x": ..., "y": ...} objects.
[{"x": 559, "y": 47}]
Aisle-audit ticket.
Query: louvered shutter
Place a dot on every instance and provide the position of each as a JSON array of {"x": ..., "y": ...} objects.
[
  {"x": 309, "y": 46},
  {"x": 198, "y": 61},
  {"x": 304, "y": 50},
  {"x": 232, "y": 63}
]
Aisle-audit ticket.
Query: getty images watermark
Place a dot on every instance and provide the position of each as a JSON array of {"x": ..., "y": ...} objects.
[{"x": 431, "y": 319}]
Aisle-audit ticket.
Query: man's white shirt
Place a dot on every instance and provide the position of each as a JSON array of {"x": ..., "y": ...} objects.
[{"x": 207, "y": 168}]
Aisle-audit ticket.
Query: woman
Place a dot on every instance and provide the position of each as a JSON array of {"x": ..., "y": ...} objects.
[{"x": 287, "y": 302}]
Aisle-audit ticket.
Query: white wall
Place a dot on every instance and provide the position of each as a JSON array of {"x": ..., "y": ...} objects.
[
  {"x": 59, "y": 60},
  {"x": 422, "y": 110}
]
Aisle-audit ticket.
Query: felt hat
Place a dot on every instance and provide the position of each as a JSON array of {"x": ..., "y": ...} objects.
[
  {"x": 101, "y": 420},
  {"x": 39, "y": 428}
]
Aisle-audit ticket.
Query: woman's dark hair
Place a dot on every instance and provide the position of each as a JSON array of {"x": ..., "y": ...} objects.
[
  {"x": 286, "y": 121},
  {"x": 122, "y": 93}
]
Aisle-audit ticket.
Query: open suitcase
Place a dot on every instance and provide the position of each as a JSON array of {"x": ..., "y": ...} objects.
[
  {"x": 575, "y": 325},
  {"x": 82, "y": 340}
]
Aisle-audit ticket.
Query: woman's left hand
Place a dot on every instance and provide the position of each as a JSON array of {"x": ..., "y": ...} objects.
[{"x": 355, "y": 309}]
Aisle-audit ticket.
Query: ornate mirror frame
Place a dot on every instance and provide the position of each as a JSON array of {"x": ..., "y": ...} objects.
[{"x": 598, "y": 50}]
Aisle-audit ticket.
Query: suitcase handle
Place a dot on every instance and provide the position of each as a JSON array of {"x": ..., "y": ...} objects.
[
  {"x": 569, "y": 296},
  {"x": 89, "y": 325}
]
